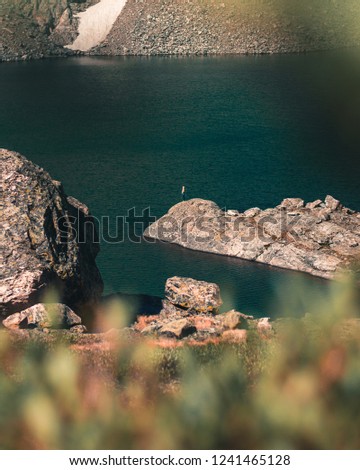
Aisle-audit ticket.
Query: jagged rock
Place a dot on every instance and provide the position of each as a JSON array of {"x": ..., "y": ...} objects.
[
  {"x": 253, "y": 212},
  {"x": 198, "y": 296},
  {"x": 322, "y": 239},
  {"x": 314, "y": 204},
  {"x": 178, "y": 329},
  {"x": 44, "y": 316},
  {"x": 292, "y": 203},
  {"x": 150, "y": 329},
  {"x": 332, "y": 203},
  {"x": 48, "y": 240}
]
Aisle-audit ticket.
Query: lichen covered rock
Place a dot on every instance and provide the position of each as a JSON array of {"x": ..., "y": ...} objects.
[
  {"x": 198, "y": 296},
  {"x": 48, "y": 240}
]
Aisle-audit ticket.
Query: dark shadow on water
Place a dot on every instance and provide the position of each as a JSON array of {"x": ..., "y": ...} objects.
[{"x": 134, "y": 304}]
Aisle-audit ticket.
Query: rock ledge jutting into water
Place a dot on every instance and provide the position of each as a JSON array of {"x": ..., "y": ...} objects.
[
  {"x": 321, "y": 238},
  {"x": 39, "y": 246}
]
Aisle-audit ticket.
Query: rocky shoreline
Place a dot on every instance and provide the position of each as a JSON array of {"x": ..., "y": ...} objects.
[
  {"x": 321, "y": 238},
  {"x": 50, "y": 280},
  {"x": 156, "y": 27}
]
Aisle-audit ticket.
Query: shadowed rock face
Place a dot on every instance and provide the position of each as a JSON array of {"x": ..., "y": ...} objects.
[
  {"x": 319, "y": 238},
  {"x": 38, "y": 240}
]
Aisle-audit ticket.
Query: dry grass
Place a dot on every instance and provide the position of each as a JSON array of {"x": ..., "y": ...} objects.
[{"x": 298, "y": 388}]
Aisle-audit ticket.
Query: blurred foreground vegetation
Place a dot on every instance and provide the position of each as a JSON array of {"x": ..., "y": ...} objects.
[{"x": 296, "y": 387}]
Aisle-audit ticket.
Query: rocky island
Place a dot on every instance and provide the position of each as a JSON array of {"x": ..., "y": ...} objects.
[{"x": 321, "y": 238}]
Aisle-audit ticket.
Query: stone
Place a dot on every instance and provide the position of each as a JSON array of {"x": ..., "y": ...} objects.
[
  {"x": 253, "y": 212},
  {"x": 292, "y": 203},
  {"x": 190, "y": 294},
  {"x": 232, "y": 320},
  {"x": 13, "y": 321},
  {"x": 319, "y": 239},
  {"x": 232, "y": 213},
  {"x": 57, "y": 316},
  {"x": 178, "y": 329},
  {"x": 314, "y": 204},
  {"x": 332, "y": 203},
  {"x": 49, "y": 240},
  {"x": 234, "y": 336}
]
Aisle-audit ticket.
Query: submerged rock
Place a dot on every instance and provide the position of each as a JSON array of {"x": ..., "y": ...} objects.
[
  {"x": 319, "y": 238},
  {"x": 198, "y": 296},
  {"x": 48, "y": 240}
]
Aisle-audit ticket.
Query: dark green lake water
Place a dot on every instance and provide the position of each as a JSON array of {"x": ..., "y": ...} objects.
[{"x": 241, "y": 131}]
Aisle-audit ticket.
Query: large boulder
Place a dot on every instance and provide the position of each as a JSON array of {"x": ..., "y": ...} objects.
[
  {"x": 48, "y": 240},
  {"x": 189, "y": 294}
]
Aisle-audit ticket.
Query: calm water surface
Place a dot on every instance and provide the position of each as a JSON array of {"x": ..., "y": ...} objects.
[{"x": 241, "y": 131}]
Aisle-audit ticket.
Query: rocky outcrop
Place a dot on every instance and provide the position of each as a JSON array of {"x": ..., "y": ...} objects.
[
  {"x": 190, "y": 313},
  {"x": 321, "y": 238},
  {"x": 48, "y": 240},
  {"x": 189, "y": 294},
  {"x": 56, "y": 316}
]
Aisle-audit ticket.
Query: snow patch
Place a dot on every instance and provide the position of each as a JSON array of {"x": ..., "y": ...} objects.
[{"x": 96, "y": 23}]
